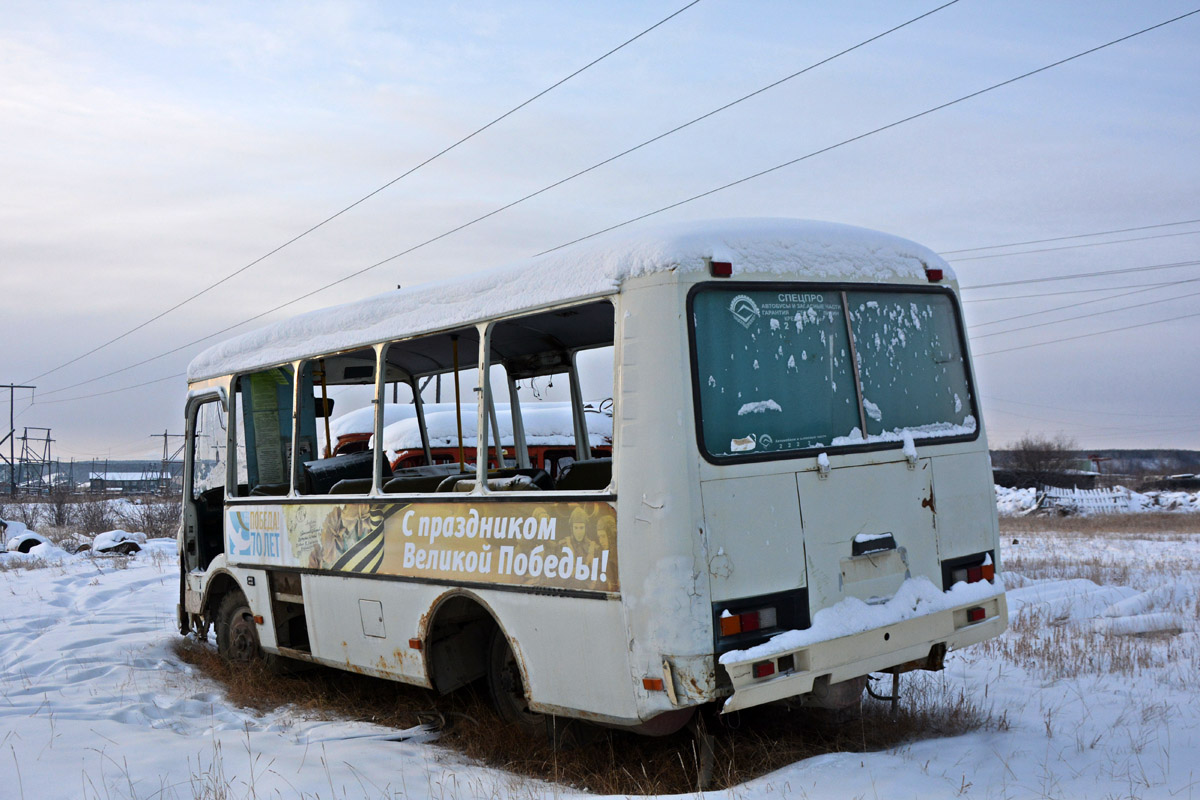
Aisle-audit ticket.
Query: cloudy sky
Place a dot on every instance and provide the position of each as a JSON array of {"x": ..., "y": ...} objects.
[{"x": 148, "y": 150}]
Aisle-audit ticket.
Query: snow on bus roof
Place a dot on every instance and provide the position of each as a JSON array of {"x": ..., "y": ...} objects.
[
  {"x": 816, "y": 250},
  {"x": 362, "y": 420},
  {"x": 545, "y": 424}
]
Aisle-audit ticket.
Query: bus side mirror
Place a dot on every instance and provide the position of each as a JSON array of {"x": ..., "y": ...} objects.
[{"x": 324, "y": 407}]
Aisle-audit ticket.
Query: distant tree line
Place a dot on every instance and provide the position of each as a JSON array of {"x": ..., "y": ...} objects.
[{"x": 1040, "y": 460}]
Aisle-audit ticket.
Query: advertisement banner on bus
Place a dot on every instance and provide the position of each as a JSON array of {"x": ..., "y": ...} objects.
[{"x": 568, "y": 545}]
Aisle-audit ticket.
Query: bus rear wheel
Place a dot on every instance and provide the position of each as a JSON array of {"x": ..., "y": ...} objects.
[
  {"x": 507, "y": 689},
  {"x": 237, "y": 633}
]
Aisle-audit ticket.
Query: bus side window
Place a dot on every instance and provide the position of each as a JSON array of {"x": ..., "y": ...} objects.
[
  {"x": 429, "y": 432},
  {"x": 337, "y": 424},
  {"x": 264, "y": 431},
  {"x": 552, "y": 384}
]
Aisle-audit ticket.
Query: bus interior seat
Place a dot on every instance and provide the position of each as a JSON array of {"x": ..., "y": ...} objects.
[
  {"x": 351, "y": 486},
  {"x": 321, "y": 475},
  {"x": 270, "y": 490},
  {"x": 505, "y": 480},
  {"x": 447, "y": 484},
  {"x": 413, "y": 484},
  {"x": 538, "y": 479},
  {"x": 428, "y": 470},
  {"x": 537, "y": 476},
  {"x": 426, "y": 478},
  {"x": 592, "y": 473}
]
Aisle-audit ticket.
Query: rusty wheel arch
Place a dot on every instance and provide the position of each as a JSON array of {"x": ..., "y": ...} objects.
[
  {"x": 453, "y": 612},
  {"x": 216, "y": 587}
]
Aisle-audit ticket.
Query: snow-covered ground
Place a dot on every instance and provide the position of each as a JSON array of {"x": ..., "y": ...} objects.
[{"x": 94, "y": 704}]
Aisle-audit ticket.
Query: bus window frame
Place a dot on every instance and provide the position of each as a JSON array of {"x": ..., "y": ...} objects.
[
  {"x": 516, "y": 408},
  {"x": 485, "y": 423},
  {"x": 378, "y": 386},
  {"x": 841, "y": 287}
]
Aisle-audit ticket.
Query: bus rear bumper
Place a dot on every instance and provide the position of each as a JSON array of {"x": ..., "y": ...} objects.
[{"x": 793, "y": 672}]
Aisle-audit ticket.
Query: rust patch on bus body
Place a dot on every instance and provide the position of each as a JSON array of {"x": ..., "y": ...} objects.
[
  {"x": 928, "y": 502},
  {"x": 692, "y": 685},
  {"x": 519, "y": 657},
  {"x": 695, "y": 682}
]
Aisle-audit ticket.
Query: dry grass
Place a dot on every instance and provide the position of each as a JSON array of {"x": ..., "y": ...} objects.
[
  {"x": 25, "y": 564},
  {"x": 1045, "y": 641},
  {"x": 1055, "y": 649},
  {"x": 1123, "y": 525},
  {"x": 1045, "y": 551},
  {"x": 747, "y": 744}
]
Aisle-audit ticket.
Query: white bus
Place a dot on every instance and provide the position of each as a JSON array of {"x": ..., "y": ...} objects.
[{"x": 797, "y": 491}]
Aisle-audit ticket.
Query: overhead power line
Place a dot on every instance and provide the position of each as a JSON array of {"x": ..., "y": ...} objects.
[
  {"x": 509, "y": 205},
  {"x": 880, "y": 129},
  {"x": 176, "y": 376},
  {"x": 707, "y": 193},
  {"x": 1085, "y": 316},
  {"x": 1040, "y": 295},
  {"x": 1072, "y": 236},
  {"x": 1089, "y": 335},
  {"x": 368, "y": 196},
  {"x": 978, "y": 325},
  {"x": 1049, "y": 278},
  {"x": 1074, "y": 246},
  {"x": 108, "y": 452}
]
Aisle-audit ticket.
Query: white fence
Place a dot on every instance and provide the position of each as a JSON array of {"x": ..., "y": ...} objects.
[{"x": 1085, "y": 501}]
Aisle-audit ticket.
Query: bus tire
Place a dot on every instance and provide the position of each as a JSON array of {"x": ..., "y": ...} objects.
[
  {"x": 507, "y": 689},
  {"x": 237, "y": 633}
]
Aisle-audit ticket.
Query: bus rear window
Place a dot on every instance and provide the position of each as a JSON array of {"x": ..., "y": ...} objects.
[
  {"x": 911, "y": 364},
  {"x": 774, "y": 373}
]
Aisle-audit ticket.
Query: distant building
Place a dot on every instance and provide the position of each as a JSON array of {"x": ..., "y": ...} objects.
[{"x": 125, "y": 482}]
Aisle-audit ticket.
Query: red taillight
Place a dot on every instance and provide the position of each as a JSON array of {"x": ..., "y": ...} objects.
[
  {"x": 764, "y": 668},
  {"x": 983, "y": 572},
  {"x": 721, "y": 269},
  {"x": 733, "y": 624},
  {"x": 652, "y": 684},
  {"x": 934, "y": 275},
  {"x": 975, "y": 614}
]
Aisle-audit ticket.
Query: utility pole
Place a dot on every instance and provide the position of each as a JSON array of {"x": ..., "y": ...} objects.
[
  {"x": 31, "y": 460},
  {"x": 164, "y": 476},
  {"x": 10, "y": 437}
]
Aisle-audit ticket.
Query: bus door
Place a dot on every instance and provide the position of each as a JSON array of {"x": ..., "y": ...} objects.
[{"x": 205, "y": 470}]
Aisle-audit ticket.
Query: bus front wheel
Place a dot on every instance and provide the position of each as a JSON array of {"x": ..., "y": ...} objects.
[
  {"x": 507, "y": 689},
  {"x": 237, "y": 634}
]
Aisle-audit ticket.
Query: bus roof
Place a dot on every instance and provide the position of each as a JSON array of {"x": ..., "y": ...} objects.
[{"x": 795, "y": 248}]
